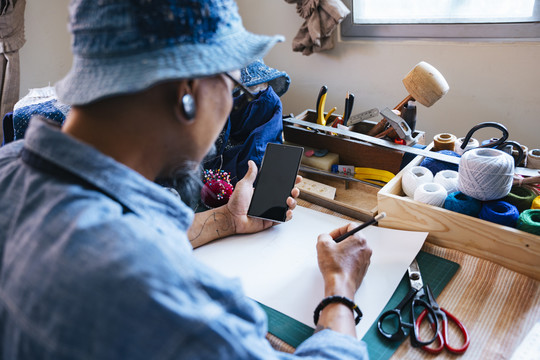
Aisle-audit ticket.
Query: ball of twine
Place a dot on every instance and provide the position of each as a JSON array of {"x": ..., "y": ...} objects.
[
  {"x": 464, "y": 204},
  {"x": 444, "y": 141},
  {"x": 533, "y": 159},
  {"x": 536, "y": 203},
  {"x": 431, "y": 194},
  {"x": 414, "y": 177},
  {"x": 499, "y": 212},
  {"x": 448, "y": 179},
  {"x": 521, "y": 197},
  {"x": 485, "y": 174},
  {"x": 437, "y": 165},
  {"x": 473, "y": 143},
  {"x": 529, "y": 221}
]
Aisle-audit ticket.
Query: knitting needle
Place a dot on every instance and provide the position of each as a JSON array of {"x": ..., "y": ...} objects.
[{"x": 360, "y": 227}]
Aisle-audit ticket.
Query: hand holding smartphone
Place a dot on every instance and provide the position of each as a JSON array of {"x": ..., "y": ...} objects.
[{"x": 275, "y": 182}]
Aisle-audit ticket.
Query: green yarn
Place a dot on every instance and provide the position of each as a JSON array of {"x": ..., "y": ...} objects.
[
  {"x": 521, "y": 197},
  {"x": 529, "y": 221}
]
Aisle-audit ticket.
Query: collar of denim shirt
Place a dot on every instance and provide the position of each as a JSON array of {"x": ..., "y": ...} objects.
[{"x": 114, "y": 179}]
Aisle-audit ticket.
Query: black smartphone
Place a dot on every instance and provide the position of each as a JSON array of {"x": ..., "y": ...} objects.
[{"x": 275, "y": 181}]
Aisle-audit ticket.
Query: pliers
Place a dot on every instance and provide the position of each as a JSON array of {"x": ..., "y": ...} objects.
[
  {"x": 321, "y": 99},
  {"x": 349, "y": 102}
]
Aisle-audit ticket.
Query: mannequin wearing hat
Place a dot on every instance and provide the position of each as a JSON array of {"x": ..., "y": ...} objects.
[
  {"x": 96, "y": 258},
  {"x": 251, "y": 125}
]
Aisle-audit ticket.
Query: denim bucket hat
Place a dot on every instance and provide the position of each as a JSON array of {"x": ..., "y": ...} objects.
[
  {"x": 125, "y": 46},
  {"x": 258, "y": 72}
]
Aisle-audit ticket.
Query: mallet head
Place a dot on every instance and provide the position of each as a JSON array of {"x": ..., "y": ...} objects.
[{"x": 425, "y": 84}]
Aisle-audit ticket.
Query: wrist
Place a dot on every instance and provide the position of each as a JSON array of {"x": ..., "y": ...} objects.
[
  {"x": 231, "y": 219},
  {"x": 339, "y": 285},
  {"x": 336, "y": 299}
]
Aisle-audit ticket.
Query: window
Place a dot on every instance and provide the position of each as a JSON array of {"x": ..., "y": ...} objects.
[{"x": 512, "y": 19}]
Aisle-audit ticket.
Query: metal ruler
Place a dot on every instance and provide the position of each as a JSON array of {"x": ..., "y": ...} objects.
[
  {"x": 363, "y": 116},
  {"x": 394, "y": 146}
]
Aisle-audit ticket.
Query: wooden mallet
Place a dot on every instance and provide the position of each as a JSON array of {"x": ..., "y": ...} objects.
[{"x": 424, "y": 84}]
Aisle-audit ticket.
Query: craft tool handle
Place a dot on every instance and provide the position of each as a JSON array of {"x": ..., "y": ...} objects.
[{"x": 360, "y": 227}]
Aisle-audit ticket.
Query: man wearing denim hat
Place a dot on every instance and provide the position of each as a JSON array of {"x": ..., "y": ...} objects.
[{"x": 95, "y": 258}]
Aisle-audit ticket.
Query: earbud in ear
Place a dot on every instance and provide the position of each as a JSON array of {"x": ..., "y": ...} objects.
[{"x": 188, "y": 106}]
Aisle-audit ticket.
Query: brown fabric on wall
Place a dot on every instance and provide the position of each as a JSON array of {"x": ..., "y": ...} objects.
[
  {"x": 10, "y": 81},
  {"x": 12, "y": 26},
  {"x": 11, "y": 40},
  {"x": 317, "y": 32}
]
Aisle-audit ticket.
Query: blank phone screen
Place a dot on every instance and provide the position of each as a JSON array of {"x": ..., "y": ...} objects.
[{"x": 276, "y": 179}]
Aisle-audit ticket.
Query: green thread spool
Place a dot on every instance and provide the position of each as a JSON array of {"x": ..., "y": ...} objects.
[
  {"x": 521, "y": 197},
  {"x": 529, "y": 221}
]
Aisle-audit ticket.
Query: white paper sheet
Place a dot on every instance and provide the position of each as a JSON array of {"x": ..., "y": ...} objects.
[{"x": 278, "y": 267}]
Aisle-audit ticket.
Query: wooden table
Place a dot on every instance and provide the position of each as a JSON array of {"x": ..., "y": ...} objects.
[{"x": 498, "y": 306}]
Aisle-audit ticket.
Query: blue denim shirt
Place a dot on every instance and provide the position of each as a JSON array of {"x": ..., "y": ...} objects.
[{"x": 98, "y": 266}]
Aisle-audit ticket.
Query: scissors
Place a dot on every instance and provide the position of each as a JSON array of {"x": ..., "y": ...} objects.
[
  {"x": 418, "y": 305},
  {"x": 500, "y": 143},
  {"x": 431, "y": 309},
  {"x": 442, "y": 336}
]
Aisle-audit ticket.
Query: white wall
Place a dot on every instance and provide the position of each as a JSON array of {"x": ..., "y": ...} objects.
[
  {"x": 488, "y": 81},
  {"x": 46, "y": 55}
]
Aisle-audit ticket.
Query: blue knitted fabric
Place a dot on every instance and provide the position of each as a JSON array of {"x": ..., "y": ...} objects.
[
  {"x": 51, "y": 109},
  {"x": 248, "y": 130}
]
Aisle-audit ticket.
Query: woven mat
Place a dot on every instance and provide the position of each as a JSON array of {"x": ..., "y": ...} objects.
[{"x": 498, "y": 306}]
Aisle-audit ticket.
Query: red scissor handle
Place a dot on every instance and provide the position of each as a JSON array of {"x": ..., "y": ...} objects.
[{"x": 443, "y": 336}]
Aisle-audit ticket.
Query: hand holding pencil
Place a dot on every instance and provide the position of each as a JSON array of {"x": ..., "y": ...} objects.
[
  {"x": 343, "y": 265},
  {"x": 348, "y": 260},
  {"x": 360, "y": 227}
]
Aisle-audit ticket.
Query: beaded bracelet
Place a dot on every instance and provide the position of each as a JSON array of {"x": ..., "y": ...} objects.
[{"x": 337, "y": 299}]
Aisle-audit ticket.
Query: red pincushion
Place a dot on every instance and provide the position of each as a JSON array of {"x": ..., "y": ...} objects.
[{"x": 217, "y": 188}]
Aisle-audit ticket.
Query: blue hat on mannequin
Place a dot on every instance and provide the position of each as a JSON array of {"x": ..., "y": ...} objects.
[
  {"x": 126, "y": 46},
  {"x": 258, "y": 73}
]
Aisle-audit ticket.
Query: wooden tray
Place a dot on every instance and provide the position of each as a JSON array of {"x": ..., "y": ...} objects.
[
  {"x": 509, "y": 247},
  {"x": 352, "y": 198},
  {"x": 351, "y": 152}
]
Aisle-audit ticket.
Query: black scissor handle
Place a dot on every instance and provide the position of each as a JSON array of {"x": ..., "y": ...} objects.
[
  {"x": 395, "y": 314},
  {"x": 399, "y": 332},
  {"x": 432, "y": 316},
  {"x": 517, "y": 146},
  {"x": 496, "y": 143}
]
